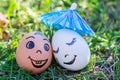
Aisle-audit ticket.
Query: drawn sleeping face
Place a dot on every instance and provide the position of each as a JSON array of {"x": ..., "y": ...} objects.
[
  {"x": 34, "y": 53},
  {"x": 70, "y": 50}
]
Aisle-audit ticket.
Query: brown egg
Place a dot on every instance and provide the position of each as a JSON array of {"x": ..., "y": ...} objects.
[{"x": 34, "y": 53}]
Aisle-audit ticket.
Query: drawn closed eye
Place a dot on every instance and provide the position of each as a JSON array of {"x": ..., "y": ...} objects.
[
  {"x": 56, "y": 51},
  {"x": 72, "y": 42}
]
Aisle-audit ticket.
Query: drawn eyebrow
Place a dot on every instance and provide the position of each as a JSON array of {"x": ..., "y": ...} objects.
[
  {"x": 72, "y": 42},
  {"x": 30, "y": 37},
  {"x": 45, "y": 39}
]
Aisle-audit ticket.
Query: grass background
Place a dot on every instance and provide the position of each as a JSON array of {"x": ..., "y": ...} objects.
[{"x": 102, "y": 15}]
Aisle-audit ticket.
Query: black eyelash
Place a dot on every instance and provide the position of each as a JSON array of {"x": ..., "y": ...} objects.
[{"x": 72, "y": 42}]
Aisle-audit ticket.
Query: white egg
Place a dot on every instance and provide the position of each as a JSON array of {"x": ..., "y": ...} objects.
[{"x": 70, "y": 50}]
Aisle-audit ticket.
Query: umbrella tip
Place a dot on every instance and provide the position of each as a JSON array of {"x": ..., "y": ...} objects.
[{"x": 73, "y": 6}]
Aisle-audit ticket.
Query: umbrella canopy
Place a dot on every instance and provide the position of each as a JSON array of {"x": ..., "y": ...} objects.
[{"x": 67, "y": 19}]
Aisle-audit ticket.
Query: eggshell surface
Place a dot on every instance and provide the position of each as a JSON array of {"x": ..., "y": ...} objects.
[
  {"x": 34, "y": 53},
  {"x": 70, "y": 50}
]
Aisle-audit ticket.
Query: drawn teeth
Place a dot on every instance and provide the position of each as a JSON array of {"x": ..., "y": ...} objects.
[
  {"x": 38, "y": 62},
  {"x": 35, "y": 61}
]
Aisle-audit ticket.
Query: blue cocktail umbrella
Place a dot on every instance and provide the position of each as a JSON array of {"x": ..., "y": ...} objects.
[{"x": 67, "y": 19}]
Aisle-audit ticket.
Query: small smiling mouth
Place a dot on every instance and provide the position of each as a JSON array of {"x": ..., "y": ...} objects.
[
  {"x": 72, "y": 61},
  {"x": 38, "y": 63}
]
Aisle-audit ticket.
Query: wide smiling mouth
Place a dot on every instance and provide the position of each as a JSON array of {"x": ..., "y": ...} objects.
[
  {"x": 72, "y": 61},
  {"x": 38, "y": 63}
]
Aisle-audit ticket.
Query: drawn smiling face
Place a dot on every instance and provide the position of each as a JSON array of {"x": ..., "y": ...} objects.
[
  {"x": 34, "y": 53},
  {"x": 70, "y": 49}
]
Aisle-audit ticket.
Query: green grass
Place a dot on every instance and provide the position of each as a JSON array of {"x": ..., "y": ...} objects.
[{"x": 102, "y": 16}]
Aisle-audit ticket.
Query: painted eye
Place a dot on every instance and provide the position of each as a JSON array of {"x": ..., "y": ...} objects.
[
  {"x": 72, "y": 42},
  {"x": 56, "y": 51},
  {"x": 46, "y": 47},
  {"x": 30, "y": 45}
]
